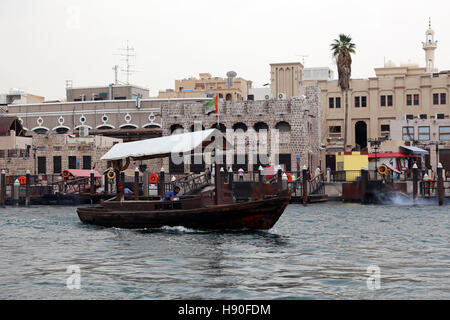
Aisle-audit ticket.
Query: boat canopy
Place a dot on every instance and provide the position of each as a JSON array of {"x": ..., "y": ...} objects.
[{"x": 165, "y": 146}]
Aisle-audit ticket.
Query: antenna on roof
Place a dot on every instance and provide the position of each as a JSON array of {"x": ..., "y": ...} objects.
[
  {"x": 129, "y": 52},
  {"x": 303, "y": 56}
]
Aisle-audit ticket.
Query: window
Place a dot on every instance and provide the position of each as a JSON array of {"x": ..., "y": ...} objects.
[
  {"x": 409, "y": 100},
  {"x": 390, "y": 101},
  {"x": 424, "y": 133},
  {"x": 57, "y": 164},
  {"x": 331, "y": 103},
  {"x": 363, "y": 102},
  {"x": 357, "y": 102},
  {"x": 409, "y": 117},
  {"x": 440, "y": 116},
  {"x": 408, "y": 133},
  {"x": 385, "y": 127},
  {"x": 42, "y": 165},
  {"x": 444, "y": 133},
  {"x": 338, "y": 102},
  {"x": 383, "y": 101},
  {"x": 443, "y": 98},
  {"x": 335, "y": 129},
  {"x": 423, "y": 116},
  {"x": 435, "y": 99},
  {"x": 416, "y": 99},
  {"x": 86, "y": 162},
  {"x": 72, "y": 162}
]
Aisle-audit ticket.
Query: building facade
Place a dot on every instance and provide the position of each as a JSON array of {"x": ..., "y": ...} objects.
[
  {"x": 235, "y": 89},
  {"x": 296, "y": 120},
  {"x": 111, "y": 92}
]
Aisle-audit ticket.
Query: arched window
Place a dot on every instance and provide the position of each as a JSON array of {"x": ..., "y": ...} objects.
[
  {"x": 228, "y": 97},
  {"x": 221, "y": 127},
  {"x": 283, "y": 126},
  {"x": 240, "y": 126},
  {"x": 261, "y": 126},
  {"x": 176, "y": 127}
]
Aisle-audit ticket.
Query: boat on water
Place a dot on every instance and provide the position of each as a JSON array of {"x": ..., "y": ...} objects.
[{"x": 213, "y": 207}]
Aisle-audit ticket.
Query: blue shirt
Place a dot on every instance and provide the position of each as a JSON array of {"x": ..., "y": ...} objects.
[{"x": 169, "y": 195}]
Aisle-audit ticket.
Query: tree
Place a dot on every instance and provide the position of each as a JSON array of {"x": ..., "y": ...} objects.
[{"x": 342, "y": 48}]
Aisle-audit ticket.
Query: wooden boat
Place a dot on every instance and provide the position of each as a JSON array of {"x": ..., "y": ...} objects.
[{"x": 214, "y": 208}]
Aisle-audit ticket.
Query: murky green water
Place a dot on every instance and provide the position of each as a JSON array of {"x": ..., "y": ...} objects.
[{"x": 316, "y": 252}]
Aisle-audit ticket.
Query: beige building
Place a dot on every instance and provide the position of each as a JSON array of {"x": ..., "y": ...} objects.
[
  {"x": 111, "y": 92},
  {"x": 209, "y": 86},
  {"x": 16, "y": 96},
  {"x": 285, "y": 79}
]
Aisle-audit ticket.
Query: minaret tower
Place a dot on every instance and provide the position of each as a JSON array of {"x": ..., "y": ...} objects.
[{"x": 430, "y": 45}]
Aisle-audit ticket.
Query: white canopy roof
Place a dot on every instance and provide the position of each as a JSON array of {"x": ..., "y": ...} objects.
[
  {"x": 164, "y": 146},
  {"x": 415, "y": 150}
]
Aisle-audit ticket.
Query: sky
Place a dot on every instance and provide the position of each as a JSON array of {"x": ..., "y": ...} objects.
[{"x": 46, "y": 42}]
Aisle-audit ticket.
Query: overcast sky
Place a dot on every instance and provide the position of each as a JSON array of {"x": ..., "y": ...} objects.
[{"x": 46, "y": 42}]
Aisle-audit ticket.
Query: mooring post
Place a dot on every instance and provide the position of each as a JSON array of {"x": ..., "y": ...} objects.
[
  {"x": 145, "y": 183},
  {"x": 92, "y": 182},
  {"x": 284, "y": 182},
  {"x": 230, "y": 178},
  {"x": 3, "y": 185},
  {"x": 305, "y": 184},
  {"x": 218, "y": 184},
  {"x": 279, "y": 177},
  {"x": 27, "y": 188},
  {"x": 16, "y": 193},
  {"x": 440, "y": 185},
  {"x": 122, "y": 190},
  {"x": 106, "y": 183},
  {"x": 162, "y": 187},
  {"x": 136, "y": 183},
  {"x": 415, "y": 181},
  {"x": 261, "y": 182},
  {"x": 363, "y": 185}
]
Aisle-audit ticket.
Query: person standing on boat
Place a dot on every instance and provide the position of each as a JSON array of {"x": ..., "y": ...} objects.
[
  {"x": 241, "y": 174},
  {"x": 172, "y": 195}
]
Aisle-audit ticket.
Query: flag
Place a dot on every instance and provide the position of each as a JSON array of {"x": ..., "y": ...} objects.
[{"x": 212, "y": 106}]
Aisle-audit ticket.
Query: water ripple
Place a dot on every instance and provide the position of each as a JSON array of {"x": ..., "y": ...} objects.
[{"x": 316, "y": 252}]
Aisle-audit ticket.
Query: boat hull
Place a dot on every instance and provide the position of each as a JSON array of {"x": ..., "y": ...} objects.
[{"x": 260, "y": 215}]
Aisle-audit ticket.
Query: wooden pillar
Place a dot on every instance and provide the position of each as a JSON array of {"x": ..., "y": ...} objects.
[
  {"x": 230, "y": 178},
  {"x": 261, "y": 182},
  {"x": 279, "y": 178},
  {"x": 218, "y": 183},
  {"x": 440, "y": 185},
  {"x": 3, "y": 186},
  {"x": 415, "y": 181},
  {"x": 162, "y": 188},
  {"x": 305, "y": 184},
  {"x": 92, "y": 183},
  {"x": 363, "y": 185},
  {"x": 122, "y": 191},
  {"x": 106, "y": 183},
  {"x": 27, "y": 188},
  {"x": 136, "y": 183},
  {"x": 145, "y": 183}
]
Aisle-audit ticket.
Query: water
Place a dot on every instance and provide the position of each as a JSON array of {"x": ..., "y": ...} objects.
[{"x": 320, "y": 251}]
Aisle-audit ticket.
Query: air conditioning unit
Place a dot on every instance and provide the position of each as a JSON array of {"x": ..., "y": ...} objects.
[
  {"x": 282, "y": 96},
  {"x": 268, "y": 97},
  {"x": 83, "y": 131}
]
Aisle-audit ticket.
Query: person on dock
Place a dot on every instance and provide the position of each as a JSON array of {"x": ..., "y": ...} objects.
[
  {"x": 241, "y": 174},
  {"x": 172, "y": 195}
]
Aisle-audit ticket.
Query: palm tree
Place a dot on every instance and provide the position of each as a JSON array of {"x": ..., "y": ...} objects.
[{"x": 342, "y": 48}]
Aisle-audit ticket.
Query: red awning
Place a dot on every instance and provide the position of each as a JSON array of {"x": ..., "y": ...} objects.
[
  {"x": 79, "y": 173},
  {"x": 392, "y": 155}
]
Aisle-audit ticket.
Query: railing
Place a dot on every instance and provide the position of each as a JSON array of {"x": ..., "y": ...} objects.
[{"x": 189, "y": 183}]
